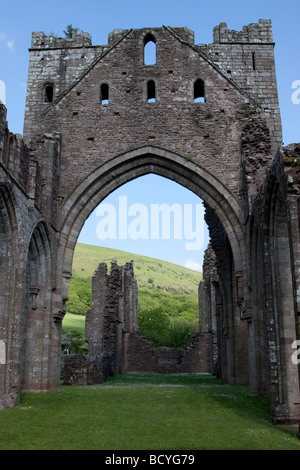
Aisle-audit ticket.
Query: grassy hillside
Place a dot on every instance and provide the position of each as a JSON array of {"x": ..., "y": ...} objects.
[{"x": 149, "y": 272}]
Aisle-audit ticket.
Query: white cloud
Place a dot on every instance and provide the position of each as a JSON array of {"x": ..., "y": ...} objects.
[
  {"x": 191, "y": 264},
  {"x": 8, "y": 42}
]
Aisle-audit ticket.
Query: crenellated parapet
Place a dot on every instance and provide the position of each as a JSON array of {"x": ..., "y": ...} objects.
[
  {"x": 260, "y": 32},
  {"x": 40, "y": 40}
]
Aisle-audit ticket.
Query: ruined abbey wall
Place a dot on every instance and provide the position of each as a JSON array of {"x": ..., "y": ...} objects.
[
  {"x": 204, "y": 115},
  {"x": 238, "y": 92}
]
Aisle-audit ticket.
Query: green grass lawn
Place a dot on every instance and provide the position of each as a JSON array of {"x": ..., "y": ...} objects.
[
  {"x": 73, "y": 322},
  {"x": 145, "y": 412}
]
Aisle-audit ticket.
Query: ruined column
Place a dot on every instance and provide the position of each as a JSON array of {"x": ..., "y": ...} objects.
[
  {"x": 95, "y": 315},
  {"x": 113, "y": 314}
]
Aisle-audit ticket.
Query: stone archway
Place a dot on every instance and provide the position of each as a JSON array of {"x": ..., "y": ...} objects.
[
  {"x": 123, "y": 168},
  {"x": 75, "y": 152},
  {"x": 8, "y": 363},
  {"x": 139, "y": 162},
  {"x": 280, "y": 305},
  {"x": 272, "y": 287},
  {"x": 37, "y": 320}
]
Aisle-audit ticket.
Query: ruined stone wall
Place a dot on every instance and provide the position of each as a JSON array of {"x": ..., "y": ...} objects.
[
  {"x": 112, "y": 315},
  {"x": 3, "y": 128},
  {"x": 143, "y": 356},
  {"x": 77, "y": 149},
  {"x": 276, "y": 229},
  {"x": 271, "y": 311},
  {"x": 139, "y": 355},
  {"x": 27, "y": 258},
  {"x": 14, "y": 154},
  {"x": 233, "y": 134},
  {"x": 209, "y": 133},
  {"x": 208, "y": 311}
]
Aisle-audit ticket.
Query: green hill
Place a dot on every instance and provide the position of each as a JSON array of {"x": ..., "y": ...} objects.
[{"x": 149, "y": 272}]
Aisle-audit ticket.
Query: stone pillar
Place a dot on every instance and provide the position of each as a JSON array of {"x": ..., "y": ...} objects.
[
  {"x": 112, "y": 315},
  {"x": 95, "y": 315}
]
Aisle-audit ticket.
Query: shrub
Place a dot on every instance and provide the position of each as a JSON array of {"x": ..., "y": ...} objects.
[
  {"x": 154, "y": 319},
  {"x": 157, "y": 326},
  {"x": 74, "y": 341},
  {"x": 180, "y": 333}
]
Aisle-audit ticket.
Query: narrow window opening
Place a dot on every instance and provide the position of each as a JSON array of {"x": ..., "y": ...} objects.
[
  {"x": 199, "y": 96},
  {"x": 104, "y": 94},
  {"x": 48, "y": 93},
  {"x": 151, "y": 98},
  {"x": 149, "y": 50},
  {"x": 253, "y": 61},
  {"x": 2, "y": 352}
]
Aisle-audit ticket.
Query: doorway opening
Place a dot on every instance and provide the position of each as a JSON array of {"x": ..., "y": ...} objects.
[{"x": 159, "y": 225}]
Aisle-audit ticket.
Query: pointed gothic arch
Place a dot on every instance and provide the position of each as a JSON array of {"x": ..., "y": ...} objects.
[
  {"x": 8, "y": 263},
  {"x": 149, "y": 49},
  {"x": 38, "y": 309},
  {"x": 125, "y": 167},
  {"x": 280, "y": 306},
  {"x": 128, "y": 166}
]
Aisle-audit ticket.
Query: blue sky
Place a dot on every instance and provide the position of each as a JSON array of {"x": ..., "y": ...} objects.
[{"x": 18, "y": 19}]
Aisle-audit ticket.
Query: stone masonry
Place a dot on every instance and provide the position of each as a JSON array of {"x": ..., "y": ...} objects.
[
  {"x": 112, "y": 315},
  {"x": 204, "y": 115}
]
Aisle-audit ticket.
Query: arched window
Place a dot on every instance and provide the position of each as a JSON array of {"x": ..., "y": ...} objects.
[
  {"x": 149, "y": 49},
  {"x": 104, "y": 94},
  {"x": 48, "y": 93},
  {"x": 151, "y": 98},
  {"x": 199, "y": 96}
]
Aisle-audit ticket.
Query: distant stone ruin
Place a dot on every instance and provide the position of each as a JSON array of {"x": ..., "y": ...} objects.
[{"x": 114, "y": 342}]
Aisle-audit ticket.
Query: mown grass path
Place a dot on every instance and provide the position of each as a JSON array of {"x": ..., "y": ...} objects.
[{"x": 145, "y": 412}]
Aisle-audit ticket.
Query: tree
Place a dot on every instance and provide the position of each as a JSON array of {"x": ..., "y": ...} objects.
[
  {"x": 69, "y": 31},
  {"x": 80, "y": 295},
  {"x": 75, "y": 305}
]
